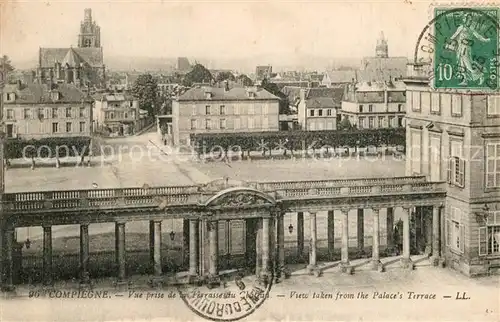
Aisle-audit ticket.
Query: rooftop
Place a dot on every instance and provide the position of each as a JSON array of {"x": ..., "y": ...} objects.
[
  {"x": 220, "y": 94},
  {"x": 41, "y": 93}
]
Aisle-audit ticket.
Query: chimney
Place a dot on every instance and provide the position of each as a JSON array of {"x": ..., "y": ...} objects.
[
  {"x": 303, "y": 94},
  {"x": 226, "y": 86}
]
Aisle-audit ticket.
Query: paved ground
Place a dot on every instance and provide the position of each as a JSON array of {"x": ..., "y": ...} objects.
[{"x": 284, "y": 303}]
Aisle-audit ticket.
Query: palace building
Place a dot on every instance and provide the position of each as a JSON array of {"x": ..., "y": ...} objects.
[
  {"x": 82, "y": 65},
  {"x": 454, "y": 136}
]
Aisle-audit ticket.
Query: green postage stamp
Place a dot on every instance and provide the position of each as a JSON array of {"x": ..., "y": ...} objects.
[{"x": 467, "y": 53}]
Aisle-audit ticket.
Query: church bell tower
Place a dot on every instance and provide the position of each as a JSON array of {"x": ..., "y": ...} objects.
[
  {"x": 382, "y": 49},
  {"x": 90, "y": 33}
]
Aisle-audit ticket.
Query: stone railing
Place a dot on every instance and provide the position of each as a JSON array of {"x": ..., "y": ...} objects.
[{"x": 84, "y": 200}]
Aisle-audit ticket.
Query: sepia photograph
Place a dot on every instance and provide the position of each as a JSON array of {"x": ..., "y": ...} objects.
[{"x": 249, "y": 160}]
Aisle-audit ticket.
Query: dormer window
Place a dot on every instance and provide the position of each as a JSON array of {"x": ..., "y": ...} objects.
[
  {"x": 208, "y": 95},
  {"x": 11, "y": 97},
  {"x": 54, "y": 96},
  {"x": 251, "y": 94}
]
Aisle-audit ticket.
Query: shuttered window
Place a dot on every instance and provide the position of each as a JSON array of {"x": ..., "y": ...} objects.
[{"x": 455, "y": 230}]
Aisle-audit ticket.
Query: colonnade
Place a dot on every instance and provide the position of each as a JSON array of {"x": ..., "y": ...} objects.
[{"x": 269, "y": 242}]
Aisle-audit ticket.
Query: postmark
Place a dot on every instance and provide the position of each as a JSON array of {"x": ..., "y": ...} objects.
[
  {"x": 460, "y": 46},
  {"x": 230, "y": 299}
]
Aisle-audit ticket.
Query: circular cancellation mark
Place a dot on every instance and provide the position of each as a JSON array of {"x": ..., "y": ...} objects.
[
  {"x": 232, "y": 298},
  {"x": 459, "y": 48}
]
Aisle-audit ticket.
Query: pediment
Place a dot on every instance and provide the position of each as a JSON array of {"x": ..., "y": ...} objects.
[
  {"x": 240, "y": 197},
  {"x": 223, "y": 184}
]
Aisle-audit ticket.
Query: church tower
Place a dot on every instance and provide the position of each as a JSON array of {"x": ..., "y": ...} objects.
[
  {"x": 90, "y": 33},
  {"x": 382, "y": 49}
]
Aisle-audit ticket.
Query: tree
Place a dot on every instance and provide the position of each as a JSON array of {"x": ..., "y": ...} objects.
[
  {"x": 345, "y": 124},
  {"x": 223, "y": 76},
  {"x": 284, "y": 105},
  {"x": 244, "y": 80},
  {"x": 199, "y": 74},
  {"x": 145, "y": 89},
  {"x": 6, "y": 65}
]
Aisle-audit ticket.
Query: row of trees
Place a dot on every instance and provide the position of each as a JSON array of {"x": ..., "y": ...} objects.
[
  {"x": 47, "y": 147},
  {"x": 298, "y": 140}
]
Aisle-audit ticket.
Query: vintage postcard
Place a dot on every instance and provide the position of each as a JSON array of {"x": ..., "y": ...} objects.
[{"x": 249, "y": 160}]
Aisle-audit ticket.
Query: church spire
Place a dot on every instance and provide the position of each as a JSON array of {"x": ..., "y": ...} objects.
[
  {"x": 90, "y": 33},
  {"x": 382, "y": 49}
]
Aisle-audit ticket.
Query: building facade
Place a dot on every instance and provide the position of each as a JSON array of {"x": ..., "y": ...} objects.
[
  {"x": 371, "y": 105},
  {"x": 317, "y": 108},
  {"x": 454, "y": 136},
  {"x": 82, "y": 65},
  {"x": 35, "y": 111},
  {"x": 223, "y": 110},
  {"x": 118, "y": 113}
]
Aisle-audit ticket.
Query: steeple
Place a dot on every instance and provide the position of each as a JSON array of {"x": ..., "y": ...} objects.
[
  {"x": 90, "y": 33},
  {"x": 382, "y": 49}
]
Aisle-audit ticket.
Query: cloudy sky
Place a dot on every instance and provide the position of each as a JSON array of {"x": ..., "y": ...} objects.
[{"x": 216, "y": 29}]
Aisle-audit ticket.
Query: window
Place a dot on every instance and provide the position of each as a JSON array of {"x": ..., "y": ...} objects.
[
  {"x": 361, "y": 122},
  {"x": 455, "y": 232},
  {"x": 250, "y": 122},
  {"x": 193, "y": 124},
  {"x": 370, "y": 122},
  {"x": 11, "y": 97},
  {"x": 68, "y": 111},
  {"x": 435, "y": 103},
  {"x": 10, "y": 114},
  {"x": 415, "y": 101},
  {"x": 125, "y": 115},
  {"x": 55, "y": 127},
  {"x": 370, "y": 107},
  {"x": 193, "y": 110},
  {"x": 222, "y": 124},
  {"x": 26, "y": 113},
  {"x": 82, "y": 112},
  {"x": 207, "y": 110},
  {"x": 456, "y": 164},
  {"x": 41, "y": 115},
  {"x": 265, "y": 122},
  {"x": 208, "y": 124},
  {"x": 82, "y": 126},
  {"x": 320, "y": 112},
  {"x": 111, "y": 115},
  {"x": 237, "y": 123},
  {"x": 493, "y": 165},
  {"x": 456, "y": 105},
  {"x": 222, "y": 110},
  {"x": 68, "y": 127},
  {"x": 381, "y": 121},
  {"x": 391, "y": 121},
  {"x": 400, "y": 121},
  {"x": 251, "y": 110},
  {"x": 311, "y": 112},
  {"x": 361, "y": 109},
  {"x": 489, "y": 236},
  {"x": 493, "y": 105},
  {"x": 236, "y": 109},
  {"x": 265, "y": 109},
  {"x": 415, "y": 151},
  {"x": 400, "y": 107},
  {"x": 54, "y": 112},
  {"x": 329, "y": 112}
]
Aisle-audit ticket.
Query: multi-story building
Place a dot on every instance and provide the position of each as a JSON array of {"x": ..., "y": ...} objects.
[
  {"x": 34, "y": 111},
  {"x": 374, "y": 104},
  {"x": 119, "y": 113},
  {"x": 317, "y": 108},
  {"x": 454, "y": 136},
  {"x": 82, "y": 65},
  {"x": 223, "y": 110}
]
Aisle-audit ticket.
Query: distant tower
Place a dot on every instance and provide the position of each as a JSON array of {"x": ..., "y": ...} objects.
[
  {"x": 90, "y": 33},
  {"x": 382, "y": 50}
]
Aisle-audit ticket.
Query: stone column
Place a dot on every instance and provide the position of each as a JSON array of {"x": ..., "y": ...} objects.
[
  {"x": 300, "y": 235},
  {"x": 84, "y": 255},
  {"x": 258, "y": 246},
  {"x": 193, "y": 249},
  {"x": 361, "y": 232},
  {"x": 405, "y": 259},
  {"x": 8, "y": 264},
  {"x": 313, "y": 265},
  {"x": 390, "y": 230},
  {"x": 280, "y": 230},
  {"x": 213, "y": 269},
  {"x": 376, "y": 263},
  {"x": 265, "y": 248},
  {"x": 157, "y": 269},
  {"x": 436, "y": 243},
  {"x": 151, "y": 244},
  {"x": 331, "y": 234},
  {"x": 345, "y": 266},
  {"x": 47, "y": 256},
  {"x": 185, "y": 242},
  {"x": 121, "y": 253}
]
